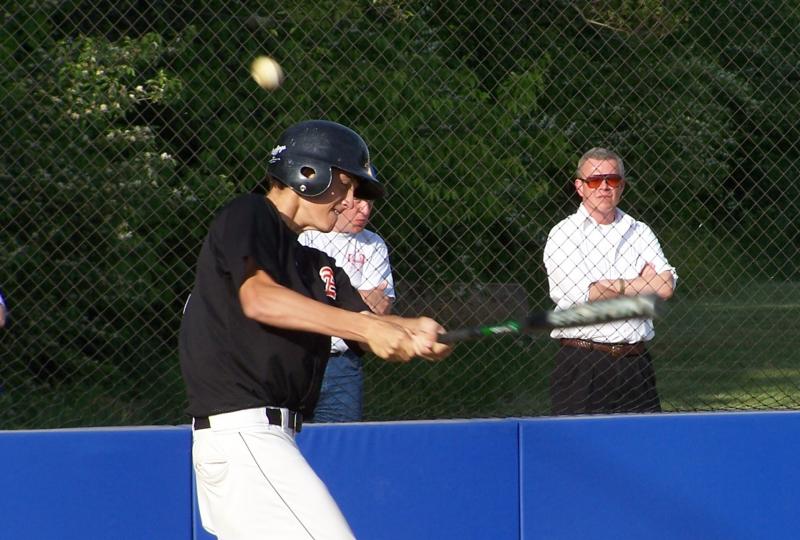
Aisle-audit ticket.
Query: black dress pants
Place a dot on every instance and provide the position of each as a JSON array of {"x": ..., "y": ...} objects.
[{"x": 594, "y": 382}]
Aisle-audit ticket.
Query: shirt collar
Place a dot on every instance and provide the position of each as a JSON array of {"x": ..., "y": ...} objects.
[{"x": 583, "y": 218}]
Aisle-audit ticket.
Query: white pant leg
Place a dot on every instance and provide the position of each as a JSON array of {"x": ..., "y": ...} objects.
[{"x": 253, "y": 483}]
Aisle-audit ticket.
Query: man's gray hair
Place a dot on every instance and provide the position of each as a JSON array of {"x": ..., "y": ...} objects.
[{"x": 600, "y": 154}]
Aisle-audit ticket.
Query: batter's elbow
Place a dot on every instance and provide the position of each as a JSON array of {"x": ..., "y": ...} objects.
[{"x": 252, "y": 305}]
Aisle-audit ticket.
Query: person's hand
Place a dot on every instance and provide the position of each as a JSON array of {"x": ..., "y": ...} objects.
[
  {"x": 426, "y": 331},
  {"x": 376, "y": 299},
  {"x": 604, "y": 289},
  {"x": 648, "y": 272},
  {"x": 390, "y": 341},
  {"x": 661, "y": 284}
]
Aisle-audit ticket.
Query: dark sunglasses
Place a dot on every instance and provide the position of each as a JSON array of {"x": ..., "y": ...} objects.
[{"x": 595, "y": 181}]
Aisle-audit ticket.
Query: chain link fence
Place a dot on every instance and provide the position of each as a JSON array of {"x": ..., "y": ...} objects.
[{"x": 125, "y": 125}]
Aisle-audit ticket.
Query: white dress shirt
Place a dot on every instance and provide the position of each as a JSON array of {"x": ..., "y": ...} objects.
[
  {"x": 363, "y": 256},
  {"x": 580, "y": 251}
]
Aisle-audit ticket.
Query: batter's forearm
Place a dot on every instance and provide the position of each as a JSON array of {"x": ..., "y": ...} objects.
[{"x": 272, "y": 304}]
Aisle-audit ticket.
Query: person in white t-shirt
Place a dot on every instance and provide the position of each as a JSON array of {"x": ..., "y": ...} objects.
[
  {"x": 601, "y": 252},
  {"x": 363, "y": 255}
]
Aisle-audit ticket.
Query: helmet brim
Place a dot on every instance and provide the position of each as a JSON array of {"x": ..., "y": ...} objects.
[{"x": 369, "y": 188}]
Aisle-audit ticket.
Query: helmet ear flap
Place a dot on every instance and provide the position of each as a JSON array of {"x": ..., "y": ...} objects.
[
  {"x": 310, "y": 180},
  {"x": 305, "y": 176}
]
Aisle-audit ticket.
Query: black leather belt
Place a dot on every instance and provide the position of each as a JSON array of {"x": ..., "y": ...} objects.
[{"x": 274, "y": 417}]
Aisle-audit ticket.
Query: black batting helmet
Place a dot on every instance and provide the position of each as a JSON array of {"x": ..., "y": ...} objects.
[{"x": 321, "y": 145}]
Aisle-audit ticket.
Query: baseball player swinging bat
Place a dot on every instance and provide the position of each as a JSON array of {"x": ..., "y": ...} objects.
[{"x": 616, "y": 309}]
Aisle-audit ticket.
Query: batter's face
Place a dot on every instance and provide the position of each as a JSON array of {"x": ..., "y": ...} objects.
[
  {"x": 322, "y": 212},
  {"x": 602, "y": 201},
  {"x": 354, "y": 219}
]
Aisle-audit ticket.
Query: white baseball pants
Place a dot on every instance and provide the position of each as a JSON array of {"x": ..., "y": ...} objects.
[{"x": 253, "y": 483}]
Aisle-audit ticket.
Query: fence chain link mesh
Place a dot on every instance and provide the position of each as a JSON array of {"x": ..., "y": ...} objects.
[{"x": 126, "y": 124}]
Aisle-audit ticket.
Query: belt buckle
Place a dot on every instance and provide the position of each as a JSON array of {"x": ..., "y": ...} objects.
[{"x": 616, "y": 350}]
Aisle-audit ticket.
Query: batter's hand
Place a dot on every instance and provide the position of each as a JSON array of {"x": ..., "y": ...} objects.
[
  {"x": 426, "y": 332},
  {"x": 390, "y": 341}
]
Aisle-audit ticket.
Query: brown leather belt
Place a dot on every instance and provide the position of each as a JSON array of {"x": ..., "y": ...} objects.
[{"x": 617, "y": 350}]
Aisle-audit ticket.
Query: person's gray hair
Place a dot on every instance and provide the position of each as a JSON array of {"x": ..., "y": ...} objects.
[{"x": 600, "y": 154}]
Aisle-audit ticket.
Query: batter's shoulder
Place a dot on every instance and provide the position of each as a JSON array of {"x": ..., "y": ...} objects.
[
  {"x": 249, "y": 214},
  {"x": 245, "y": 204},
  {"x": 317, "y": 255}
]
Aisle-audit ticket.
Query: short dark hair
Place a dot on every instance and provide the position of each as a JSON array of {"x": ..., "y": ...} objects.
[{"x": 266, "y": 184}]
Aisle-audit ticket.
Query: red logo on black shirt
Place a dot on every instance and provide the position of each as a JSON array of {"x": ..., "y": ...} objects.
[{"x": 330, "y": 284}]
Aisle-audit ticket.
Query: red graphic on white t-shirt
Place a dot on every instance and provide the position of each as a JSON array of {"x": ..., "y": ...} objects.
[
  {"x": 326, "y": 273},
  {"x": 356, "y": 259}
]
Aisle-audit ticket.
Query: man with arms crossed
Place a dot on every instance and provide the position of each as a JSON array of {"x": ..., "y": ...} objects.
[
  {"x": 255, "y": 337},
  {"x": 601, "y": 252},
  {"x": 365, "y": 258}
]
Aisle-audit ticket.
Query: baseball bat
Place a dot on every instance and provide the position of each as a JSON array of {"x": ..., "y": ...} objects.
[{"x": 603, "y": 311}]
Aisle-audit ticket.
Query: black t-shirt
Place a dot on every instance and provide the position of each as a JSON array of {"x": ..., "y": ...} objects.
[{"x": 231, "y": 362}]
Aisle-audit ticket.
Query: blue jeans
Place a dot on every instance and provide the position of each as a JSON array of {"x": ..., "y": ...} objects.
[{"x": 342, "y": 396}]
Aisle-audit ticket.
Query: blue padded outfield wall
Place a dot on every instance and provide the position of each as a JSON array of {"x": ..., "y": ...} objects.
[
  {"x": 687, "y": 476},
  {"x": 111, "y": 484}
]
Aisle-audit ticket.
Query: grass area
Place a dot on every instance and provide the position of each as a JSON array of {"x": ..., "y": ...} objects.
[
  {"x": 734, "y": 352},
  {"x": 502, "y": 377},
  {"x": 737, "y": 352},
  {"x": 116, "y": 402}
]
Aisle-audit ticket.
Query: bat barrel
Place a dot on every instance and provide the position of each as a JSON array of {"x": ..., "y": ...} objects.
[{"x": 615, "y": 309}]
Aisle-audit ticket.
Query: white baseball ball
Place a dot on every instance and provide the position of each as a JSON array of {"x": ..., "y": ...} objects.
[{"x": 266, "y": 72}]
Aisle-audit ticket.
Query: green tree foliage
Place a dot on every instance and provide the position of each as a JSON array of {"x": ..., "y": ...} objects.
[{"x": 95, "y": 225}]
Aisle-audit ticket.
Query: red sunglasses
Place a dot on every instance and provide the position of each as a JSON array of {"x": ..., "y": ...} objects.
[{"x": 595, "y": 181}]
